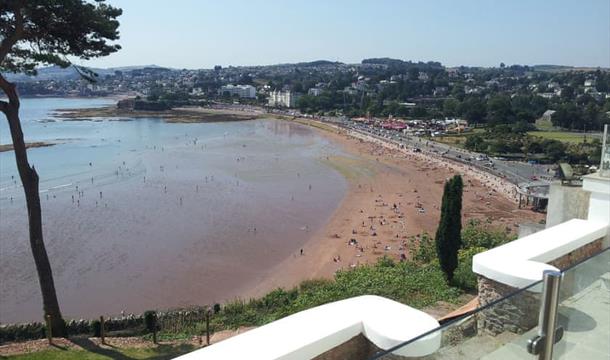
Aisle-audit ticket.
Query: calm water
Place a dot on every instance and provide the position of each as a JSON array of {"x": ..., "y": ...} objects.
[{"x": 144, "y": 214}]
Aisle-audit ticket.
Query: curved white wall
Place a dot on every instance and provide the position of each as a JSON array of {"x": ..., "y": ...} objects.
[{"x": 309, "y": 333}]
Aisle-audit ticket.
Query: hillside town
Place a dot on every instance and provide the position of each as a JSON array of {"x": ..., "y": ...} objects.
[
  {"x": 376, "y": 87},
  {"x": 491, "y": 110}
]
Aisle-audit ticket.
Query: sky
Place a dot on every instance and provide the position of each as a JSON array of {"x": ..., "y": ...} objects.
[{"x": 202, "y": 33}]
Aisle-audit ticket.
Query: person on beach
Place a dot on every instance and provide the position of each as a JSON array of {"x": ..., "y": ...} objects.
[{"x": 301, "y": 252}]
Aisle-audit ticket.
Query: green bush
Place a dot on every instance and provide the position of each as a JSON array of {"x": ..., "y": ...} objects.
[
  {"x": 150, "y": 320},
  {"x": 96, "y": 328},
  {"x": 407, "y": 282},
  {"x": 464, "y": 277},
  {"x": 19, "y": 332},
  {"x": 425, "y": 251},
  {"x": 216, "y": 308},
  {"x": 476, "y": 235}
]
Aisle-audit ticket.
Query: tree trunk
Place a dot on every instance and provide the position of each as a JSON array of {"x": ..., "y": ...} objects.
[{"x": 29, "y": 179}]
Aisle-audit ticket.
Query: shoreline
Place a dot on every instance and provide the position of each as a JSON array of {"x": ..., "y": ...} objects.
[
  {"x": 379, "y": 176},
  {"x": 30, "y": 145}
]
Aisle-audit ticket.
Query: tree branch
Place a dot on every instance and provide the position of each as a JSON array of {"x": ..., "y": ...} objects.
[
  {"x": 3, "y": 106},
  {"x": 9, "y": 41},
  {"x": 11, "y": 93}
]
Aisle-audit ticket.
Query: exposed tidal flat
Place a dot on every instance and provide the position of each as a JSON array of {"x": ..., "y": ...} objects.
[
  {"x": 175, "y": 115},
  {"x": 147, "y": 214},
  {"x": 36, "y": 144}
]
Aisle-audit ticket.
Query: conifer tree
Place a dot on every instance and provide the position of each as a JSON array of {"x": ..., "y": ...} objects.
[{"x": 448, "y": 234}]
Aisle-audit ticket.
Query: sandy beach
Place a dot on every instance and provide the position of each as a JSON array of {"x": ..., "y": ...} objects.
[{"x": 393, "y": 195}]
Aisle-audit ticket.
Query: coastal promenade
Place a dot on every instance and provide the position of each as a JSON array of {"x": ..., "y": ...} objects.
[{"x": 515, "y": 172}]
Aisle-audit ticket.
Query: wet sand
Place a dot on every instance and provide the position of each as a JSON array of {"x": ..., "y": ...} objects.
[{"x": 379, "y": 178}]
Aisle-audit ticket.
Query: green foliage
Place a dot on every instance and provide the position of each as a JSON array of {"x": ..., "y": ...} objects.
[
  {"x": 19, "y": 332},
  {"x": 425, "y": 251},
  {"x": 96, "y": 328},
  {"x": 464, "y": 277},
  {"x": 448, "y": 234},
  {"x": 43, "y": 33},
  {"x": 518, "y": 141},
  {"x": 476, "y": 235},
  {"x": 150, "y": 320},
  {"x": 476, "y": 238},
  {"x": 410, "y": 283},
  {"x": 475, "y": 143}
]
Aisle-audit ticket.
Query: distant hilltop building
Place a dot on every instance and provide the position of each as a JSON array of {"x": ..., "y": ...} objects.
[
  {"x": 243, "y": 91},
  {"x": 314, "y": 91},
  {"x": 283, "y": 99}
]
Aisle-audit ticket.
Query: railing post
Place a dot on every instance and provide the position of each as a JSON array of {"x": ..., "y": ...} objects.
[
  {"x": 102, "y": 331},
  {"x": 49, "y": 329},
  {"x": 548, "y": 333},
  {"x": 207, "y": 327}
]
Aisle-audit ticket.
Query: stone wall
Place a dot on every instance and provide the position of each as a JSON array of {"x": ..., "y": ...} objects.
[
  {"x": 519, "y": 313},
  {"x": 578, "y": 255},
  {"x": 516, "y": 314}
]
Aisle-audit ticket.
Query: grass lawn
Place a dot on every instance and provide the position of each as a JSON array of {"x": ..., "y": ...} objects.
[
  {"x": 563, "y": 136},
  {"x": 107, "y": 352},
  {"x": 456, "y": 140}
]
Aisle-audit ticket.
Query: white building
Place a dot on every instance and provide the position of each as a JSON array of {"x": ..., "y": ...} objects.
[
  {"x": 243, "y": 91},
  {"x": 314, "y": 91},
  {"x": 547, "y": 115},
  {"x": 283, "y": 99}
]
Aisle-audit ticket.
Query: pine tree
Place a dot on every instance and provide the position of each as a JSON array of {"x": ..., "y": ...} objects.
[
  {"x": 37, "y": 33},
  {"x": 448, "y": 233}
]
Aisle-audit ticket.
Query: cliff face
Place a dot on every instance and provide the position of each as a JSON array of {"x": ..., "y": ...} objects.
[{"x": 143, "y": 105}]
